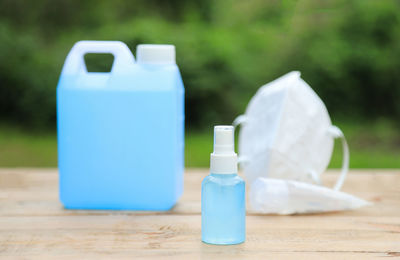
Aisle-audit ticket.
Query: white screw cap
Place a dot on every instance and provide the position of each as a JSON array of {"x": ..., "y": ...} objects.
[
  {"x": 162, "y": 54},
  {"x": 224, "y": 159}
]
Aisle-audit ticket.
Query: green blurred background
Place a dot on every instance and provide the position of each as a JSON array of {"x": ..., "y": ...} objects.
[{"x": 348, "y": 51}]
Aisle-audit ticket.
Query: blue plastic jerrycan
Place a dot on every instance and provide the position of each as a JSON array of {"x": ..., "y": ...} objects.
[{"x": 121, "y": 134}]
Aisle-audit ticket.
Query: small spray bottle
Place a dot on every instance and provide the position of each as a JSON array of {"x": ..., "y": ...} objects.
[{"x": 223, "y": 209}]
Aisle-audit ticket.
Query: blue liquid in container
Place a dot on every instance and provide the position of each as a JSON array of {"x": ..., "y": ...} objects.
[
  {"x": 223, "y": 205},
  {"x": 223, "y": 209},
  {"x": 120, "y": 134}
]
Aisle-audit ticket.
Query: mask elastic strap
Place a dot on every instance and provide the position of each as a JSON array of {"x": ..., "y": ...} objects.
[
  {"x": 315, "y": 177},
  {"x": 337, "y": 133},
  {"x": 238, "y": 121}
]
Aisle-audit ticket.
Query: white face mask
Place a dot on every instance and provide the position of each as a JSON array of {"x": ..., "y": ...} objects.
[
  {"x": 287, "y": 133},
  {"x": 285, "y": 144},
  {"x": 284, "y": 197}
]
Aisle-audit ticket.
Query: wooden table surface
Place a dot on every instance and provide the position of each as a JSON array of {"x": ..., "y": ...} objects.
[{"x": 33, "y": 224}]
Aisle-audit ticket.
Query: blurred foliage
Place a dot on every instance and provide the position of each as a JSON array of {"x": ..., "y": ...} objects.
[
  {"x": 376, "y": 148},
  {"x": 348, "y": 51}
]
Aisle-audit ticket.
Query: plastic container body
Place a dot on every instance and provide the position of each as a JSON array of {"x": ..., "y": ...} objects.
[
  {"x": 223, "y": 209},
  {"x": 120, "y": 134}
]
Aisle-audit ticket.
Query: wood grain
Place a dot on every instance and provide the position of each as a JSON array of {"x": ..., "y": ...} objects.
[{"x": 33, "y": 224}]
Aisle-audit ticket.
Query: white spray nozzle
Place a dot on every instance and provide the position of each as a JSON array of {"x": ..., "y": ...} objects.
[
  {"x": 223, "y": 139},
  {"x": 223, "y": 159}
]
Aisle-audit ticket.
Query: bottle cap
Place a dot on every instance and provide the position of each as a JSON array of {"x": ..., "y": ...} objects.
[
  {"x": 161, "y": 54},
  {"x": 223, "y": 160}
]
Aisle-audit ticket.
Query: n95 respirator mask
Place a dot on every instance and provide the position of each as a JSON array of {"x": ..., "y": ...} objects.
[{"x": 286, "y": 134}]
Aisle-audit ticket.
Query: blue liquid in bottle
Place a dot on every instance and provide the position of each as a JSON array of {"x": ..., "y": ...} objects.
[
  {"x": 223, "y": 208},
  {"x": 121, "y": 133}
]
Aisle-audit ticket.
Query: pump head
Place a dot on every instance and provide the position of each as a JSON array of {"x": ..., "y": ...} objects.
[
  {"x": 223, "y": 139},
  {"x": 224, "y": 159}
]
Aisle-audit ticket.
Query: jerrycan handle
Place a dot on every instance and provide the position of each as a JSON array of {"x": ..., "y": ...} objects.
[{"x": 75, "y": 63}]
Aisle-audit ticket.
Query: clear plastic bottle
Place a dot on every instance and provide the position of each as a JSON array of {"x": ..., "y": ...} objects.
[{"x": 223, "y": 209}]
